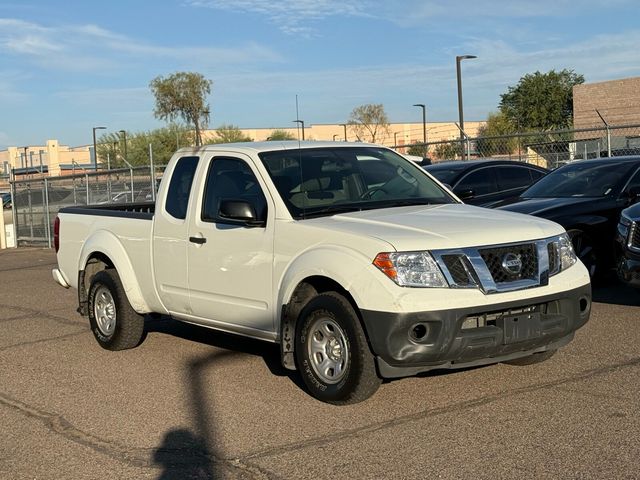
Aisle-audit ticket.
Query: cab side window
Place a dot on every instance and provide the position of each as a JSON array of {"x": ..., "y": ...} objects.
[
  {"x": 180, "y": 187},
  {"x": 511, "y": 177},
  {"x": 231, "y": 179},
  {"x": 480, "y": 182}
]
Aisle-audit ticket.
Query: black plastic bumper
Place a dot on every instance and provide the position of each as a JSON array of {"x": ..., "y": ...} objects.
[{"x": 410, "y": 343}]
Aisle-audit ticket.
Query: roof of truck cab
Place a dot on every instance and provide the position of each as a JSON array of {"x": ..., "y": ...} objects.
[{"x": 274, "y": 145}]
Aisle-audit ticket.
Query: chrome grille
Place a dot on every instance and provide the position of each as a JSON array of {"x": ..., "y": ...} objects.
[
  {"x": 554, "y": 258},
  {"x": 527, "y": 255},
  {"x": 459, "y": 270},
  {"x": 501, "y": 268},
  {"x": 634, "y": 236}
]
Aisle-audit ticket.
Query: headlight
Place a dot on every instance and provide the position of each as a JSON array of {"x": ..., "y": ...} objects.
[
  {"x": 623, "y": 226},
  {"x": 411, "y": 269},
  {"x": 565, "y": 249}
]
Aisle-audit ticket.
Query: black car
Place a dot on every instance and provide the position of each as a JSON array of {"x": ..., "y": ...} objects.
[
  {"x": 628, "y": 246},
  {"x": 586, "y": 198},
  {"x": 485, "y": 182}
]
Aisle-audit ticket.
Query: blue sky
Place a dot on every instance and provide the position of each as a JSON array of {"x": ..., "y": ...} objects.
[{"x": 68, "y": 66}]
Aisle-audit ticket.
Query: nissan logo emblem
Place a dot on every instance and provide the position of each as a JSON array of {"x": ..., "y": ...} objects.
[{"x": 512, "y": 264}]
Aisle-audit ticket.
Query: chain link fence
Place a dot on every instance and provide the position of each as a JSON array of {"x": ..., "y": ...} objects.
[
  {"x": 549, "y": 149},
  {"x": 36, "y": 202}
]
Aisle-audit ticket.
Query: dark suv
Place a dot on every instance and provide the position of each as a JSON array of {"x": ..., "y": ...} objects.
[
  {"x": 485, "y": 182},
  {"x": 628, "y": 245}
]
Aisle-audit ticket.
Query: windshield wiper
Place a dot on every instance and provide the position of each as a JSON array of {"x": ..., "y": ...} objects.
[
  {"x": 335, "y": 209},
  {"x": 358, "y": 207}
]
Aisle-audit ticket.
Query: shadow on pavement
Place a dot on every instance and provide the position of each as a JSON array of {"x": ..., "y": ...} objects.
[
  {"x": 270, "y": 352},
  {"x": 184, "y": 455},
  {"x": 612, "y": 291}
]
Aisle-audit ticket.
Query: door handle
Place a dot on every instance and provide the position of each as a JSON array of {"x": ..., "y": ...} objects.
[{"x": 198, "y": 240}]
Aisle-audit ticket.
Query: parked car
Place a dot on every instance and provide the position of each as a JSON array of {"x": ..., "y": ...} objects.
[
  {"x": 485, "y": 182},
  {"x": 628, "y": 245},
  {"x": 586, "y": 198}
]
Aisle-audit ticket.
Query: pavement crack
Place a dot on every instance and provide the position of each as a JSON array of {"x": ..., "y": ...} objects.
[
  {"x": 434, "y": 412},
  {"x": 44, "y": 340},
  {"x": 132, "y": 456},
  {"x": 38, "y": 313}
]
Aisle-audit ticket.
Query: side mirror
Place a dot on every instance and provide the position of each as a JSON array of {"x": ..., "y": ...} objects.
[
  {"x": 465, "y": 194},
  {"x": 239, "y": 212}
]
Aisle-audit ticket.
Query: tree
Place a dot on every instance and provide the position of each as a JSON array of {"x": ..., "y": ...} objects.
[
  {"x": 230, "y": 134},
  {"x": 281, "y": 135},
  {"x": 497, "y": 125},
  {"x": 164, "y": 142},
  {"x": 541, "y": 101},
  {"x": 183, "y": 95},
  {"x": 419, "y": 150},
  {"x": 448, "y": 150},
  {"x": 369, "y": 122}
]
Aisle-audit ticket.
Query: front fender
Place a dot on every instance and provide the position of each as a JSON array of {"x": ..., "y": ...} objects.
[
  {"x": 347, "y": 267},
  {"x": 108, "y": 244}
]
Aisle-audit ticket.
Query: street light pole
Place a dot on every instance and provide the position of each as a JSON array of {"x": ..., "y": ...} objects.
[
  {"x": 124, "y": 136},
  {"x": 301, "y": 122},
  {"x": 459, "y": 58},
  {"x": 95, "y": 151},
  {"x": 424, "y": 127},
  {"x": 345, "y": 130}
]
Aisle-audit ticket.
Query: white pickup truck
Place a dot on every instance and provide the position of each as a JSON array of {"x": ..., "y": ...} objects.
[{"x": 358, "y": 263}]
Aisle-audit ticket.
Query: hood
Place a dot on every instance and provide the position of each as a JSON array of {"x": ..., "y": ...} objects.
[
  {"x": 545, "y": 206},
  {"x": 440, "y": 226}
]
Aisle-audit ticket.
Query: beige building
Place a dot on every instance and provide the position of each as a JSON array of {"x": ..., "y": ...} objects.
[
  {"x": 52, "y": 159},
  {"x": 399, "y": 134}
]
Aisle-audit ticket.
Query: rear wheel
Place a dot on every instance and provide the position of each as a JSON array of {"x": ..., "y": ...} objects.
[
  {"x": 115, "y": 325},
  {"x": 585, "y": 251},
  {"x": 332, "y": 352}
]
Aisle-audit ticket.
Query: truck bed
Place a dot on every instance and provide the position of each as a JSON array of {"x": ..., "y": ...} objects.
[{"x": 143, "y": 210}]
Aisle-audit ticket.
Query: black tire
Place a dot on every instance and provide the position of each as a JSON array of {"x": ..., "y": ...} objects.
[
  {"x": 532, "y": 359},
  {"x": 115, "y": 325},
  {"x": 329, "y": 324},
  {"x": 585, "y": 251}
]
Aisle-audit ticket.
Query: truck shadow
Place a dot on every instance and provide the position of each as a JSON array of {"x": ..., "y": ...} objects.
[{"x": 270, "y": 352}]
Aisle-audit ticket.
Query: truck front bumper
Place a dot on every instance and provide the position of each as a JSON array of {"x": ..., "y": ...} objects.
[{"x": 409, "y": 343}]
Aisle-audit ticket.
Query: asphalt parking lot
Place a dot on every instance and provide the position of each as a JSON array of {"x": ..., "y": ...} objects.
[{"x": 194, "y": 403}]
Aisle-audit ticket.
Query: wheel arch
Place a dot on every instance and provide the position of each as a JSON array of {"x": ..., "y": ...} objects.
[
  {"x": 304, "y": 291},
  {"x": 102, "y": 251}
]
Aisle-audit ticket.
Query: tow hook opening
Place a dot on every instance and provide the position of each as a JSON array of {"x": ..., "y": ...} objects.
[
  {"x": 585, "y": 305},
  {"x": 418, "y": 332}
]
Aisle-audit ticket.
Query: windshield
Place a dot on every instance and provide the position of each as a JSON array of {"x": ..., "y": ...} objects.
[
  {"x": 445, "y": 174},
  {"x": 582, "y": 179},
  {"x": 325, "y": 181}
]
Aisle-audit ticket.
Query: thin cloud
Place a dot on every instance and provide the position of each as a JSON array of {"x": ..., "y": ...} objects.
[
  {"x": 90, "y": 47},
  {"x": 293, "y": 17}
]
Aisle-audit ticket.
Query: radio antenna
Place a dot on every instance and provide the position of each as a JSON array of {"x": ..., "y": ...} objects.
[{"x": 299, "y": 122}]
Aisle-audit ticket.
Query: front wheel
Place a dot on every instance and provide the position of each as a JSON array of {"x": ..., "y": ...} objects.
[
  {"x": 332, "y": 352},
  {"x": 115, "y": 325}
]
